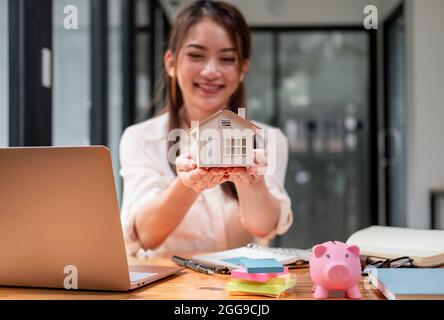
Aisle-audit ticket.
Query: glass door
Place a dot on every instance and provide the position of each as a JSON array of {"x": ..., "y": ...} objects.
[
  {"x": 318, "y": 95},
  {"x": 324, "y": 113},
  {"x": 395, "y": 122}
]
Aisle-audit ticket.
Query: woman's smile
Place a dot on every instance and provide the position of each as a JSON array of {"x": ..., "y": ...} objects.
[{"x": 209, "y": 88}]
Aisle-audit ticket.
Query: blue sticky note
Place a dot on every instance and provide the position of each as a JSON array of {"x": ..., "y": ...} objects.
[
  {"x": 236, "y": 260},
  {"x": 261, "y": 265}
]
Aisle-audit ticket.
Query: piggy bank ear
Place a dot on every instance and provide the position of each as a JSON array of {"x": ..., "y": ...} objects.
[
  {"x": 353, "y": 249},
  {"x": 319, "y": 250}
]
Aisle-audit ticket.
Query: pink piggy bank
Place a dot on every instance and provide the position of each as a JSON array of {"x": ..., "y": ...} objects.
[{"x": 335, "y": 265}]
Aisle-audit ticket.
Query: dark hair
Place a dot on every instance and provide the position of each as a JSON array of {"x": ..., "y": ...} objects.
[{"x": 227, "y": 16}]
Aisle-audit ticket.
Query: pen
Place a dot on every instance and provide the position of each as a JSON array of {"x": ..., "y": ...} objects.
[{"x": 191, "y": 265}]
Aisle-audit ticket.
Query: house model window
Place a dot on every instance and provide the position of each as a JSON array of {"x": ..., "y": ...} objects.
[
  {"x": 225, "y": 139},
  {"x": 225, "y": 123},
  {"x": 235, "y": 147}
]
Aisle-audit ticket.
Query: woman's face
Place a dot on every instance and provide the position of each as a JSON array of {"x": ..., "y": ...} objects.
[{"x": 207, "y": 69}]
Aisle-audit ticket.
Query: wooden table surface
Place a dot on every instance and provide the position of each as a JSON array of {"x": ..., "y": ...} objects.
[{"x": 186, "y": 285}]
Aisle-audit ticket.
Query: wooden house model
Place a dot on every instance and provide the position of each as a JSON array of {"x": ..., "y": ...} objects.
[{"x": 224, "y": 139}]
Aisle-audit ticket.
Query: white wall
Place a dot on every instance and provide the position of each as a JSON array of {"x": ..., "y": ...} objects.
[
  {"x": 294, "y": 12},
  {"x": 425, "y": 72},
  {"x": 302, "y": 12}
]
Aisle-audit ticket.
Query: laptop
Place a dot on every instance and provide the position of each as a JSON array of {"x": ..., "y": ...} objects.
[{"x": 60, "y": 222}]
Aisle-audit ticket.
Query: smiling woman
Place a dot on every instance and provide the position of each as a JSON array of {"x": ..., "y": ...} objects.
[
  {"x": 177, "y": 206},
  {"x": 209, "y": 72}
]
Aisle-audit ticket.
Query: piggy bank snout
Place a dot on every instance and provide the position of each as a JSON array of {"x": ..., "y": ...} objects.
[{"x": 338, "y": 273}]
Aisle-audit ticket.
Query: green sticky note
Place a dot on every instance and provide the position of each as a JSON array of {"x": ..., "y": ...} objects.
[{"x": 273, "y": 287}]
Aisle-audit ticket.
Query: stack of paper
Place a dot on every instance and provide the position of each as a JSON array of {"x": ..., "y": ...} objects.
[{"x": 260, "y": 276}]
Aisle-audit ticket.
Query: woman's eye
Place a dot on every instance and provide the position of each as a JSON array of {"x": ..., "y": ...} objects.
[
  {"x": 228, "y": 59},
  {"x": 195, "y": 55}
]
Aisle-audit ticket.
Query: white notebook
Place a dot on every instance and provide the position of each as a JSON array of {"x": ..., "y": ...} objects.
[
  {"x": 285, "y": 256},
  {"x": 425, "y": 247}
]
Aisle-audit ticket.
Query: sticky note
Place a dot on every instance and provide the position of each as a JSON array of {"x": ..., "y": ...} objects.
[
  {"x": 242, "y": 274},
  {"x": 261, "y": 265},
  {"x": 273, "y": 287},
  {"x": 236, "y": 260}
]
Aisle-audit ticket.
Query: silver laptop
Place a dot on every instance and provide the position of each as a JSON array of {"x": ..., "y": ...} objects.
[{"x": 60, "y": 223}]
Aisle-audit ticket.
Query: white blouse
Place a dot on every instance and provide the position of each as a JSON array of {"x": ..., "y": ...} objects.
[{"x": 213, "y": 221}]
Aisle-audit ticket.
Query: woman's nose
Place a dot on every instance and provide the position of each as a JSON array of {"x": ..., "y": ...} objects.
[{"x": 211, "y": 70}]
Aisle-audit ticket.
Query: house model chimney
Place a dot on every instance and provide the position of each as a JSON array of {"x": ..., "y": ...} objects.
[{"x": 241, "y": 112}]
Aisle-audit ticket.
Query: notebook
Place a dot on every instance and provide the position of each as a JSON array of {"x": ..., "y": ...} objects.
[
  {"x": 285, "y": 256},
  {"x": 425, "y": 247},
  {"x": 410, "y": 283}
]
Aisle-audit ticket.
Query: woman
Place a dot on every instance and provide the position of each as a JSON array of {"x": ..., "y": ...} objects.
[{"x": 177, "y": 206}]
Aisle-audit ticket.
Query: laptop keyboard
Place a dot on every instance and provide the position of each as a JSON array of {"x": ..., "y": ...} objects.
[{"x": 137, "y": 276}]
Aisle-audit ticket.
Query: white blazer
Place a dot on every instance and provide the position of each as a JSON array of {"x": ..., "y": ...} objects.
[{"x": 213, "y": 221}]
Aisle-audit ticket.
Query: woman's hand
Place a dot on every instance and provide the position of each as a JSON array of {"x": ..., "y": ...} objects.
[
  {"x": 250, "y": 176},
  {"x": 198, "y": 179},
  {"x": 260, "y": 211}
]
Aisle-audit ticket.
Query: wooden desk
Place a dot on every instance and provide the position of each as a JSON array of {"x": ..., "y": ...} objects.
[{"x": 187, "y": 285}]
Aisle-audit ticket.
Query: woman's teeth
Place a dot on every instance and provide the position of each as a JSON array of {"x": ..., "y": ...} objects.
[{"x": 209, "y": 87}]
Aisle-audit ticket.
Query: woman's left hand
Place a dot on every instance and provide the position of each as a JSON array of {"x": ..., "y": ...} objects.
[{"x": 251, "y": 175}]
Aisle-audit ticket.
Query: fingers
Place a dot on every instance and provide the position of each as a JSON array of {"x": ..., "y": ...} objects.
[
  {"x": 212, "y": 178},
  {"x": 185, "y": 163},
  {"x": 260, "y": 157},
  {"x": 216, "y": 176},
  {"x": 257, "y": 170},
  {"x": 200, "y": 186},
  {"x": 200, "y": 179},
  {"x": 246, "y": 178},
  {"x": 235, "y": 175},
  {"x": 252, "y": 170},
  {"x": 197, "y": 174}
]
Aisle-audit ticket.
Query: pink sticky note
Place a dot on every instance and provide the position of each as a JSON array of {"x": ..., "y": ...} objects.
[{"x": 242, "y": 274}]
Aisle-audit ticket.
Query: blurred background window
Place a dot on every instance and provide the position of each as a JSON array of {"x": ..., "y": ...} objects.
[
  {"x": 151, "y": 36},
  {"x": 72, "y": 72},
  {"x": 314, "y": 86},
  {"x": 115, "y": 115},
  {"x": 142, "y": 59},
  {"x": 395, "y": 120},
  {"x": 4, "y": 72},
  {"x": 260, "y": 78}
]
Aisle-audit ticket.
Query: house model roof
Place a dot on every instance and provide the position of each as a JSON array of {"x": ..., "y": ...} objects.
[{"x": 229, "y": 114}]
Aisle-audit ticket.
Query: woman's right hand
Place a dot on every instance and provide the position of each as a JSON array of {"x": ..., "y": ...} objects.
[{"x": 198, "y": 179}]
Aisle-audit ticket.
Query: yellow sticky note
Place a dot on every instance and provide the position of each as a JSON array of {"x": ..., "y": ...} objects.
[{"x": 273, "y": 287}]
